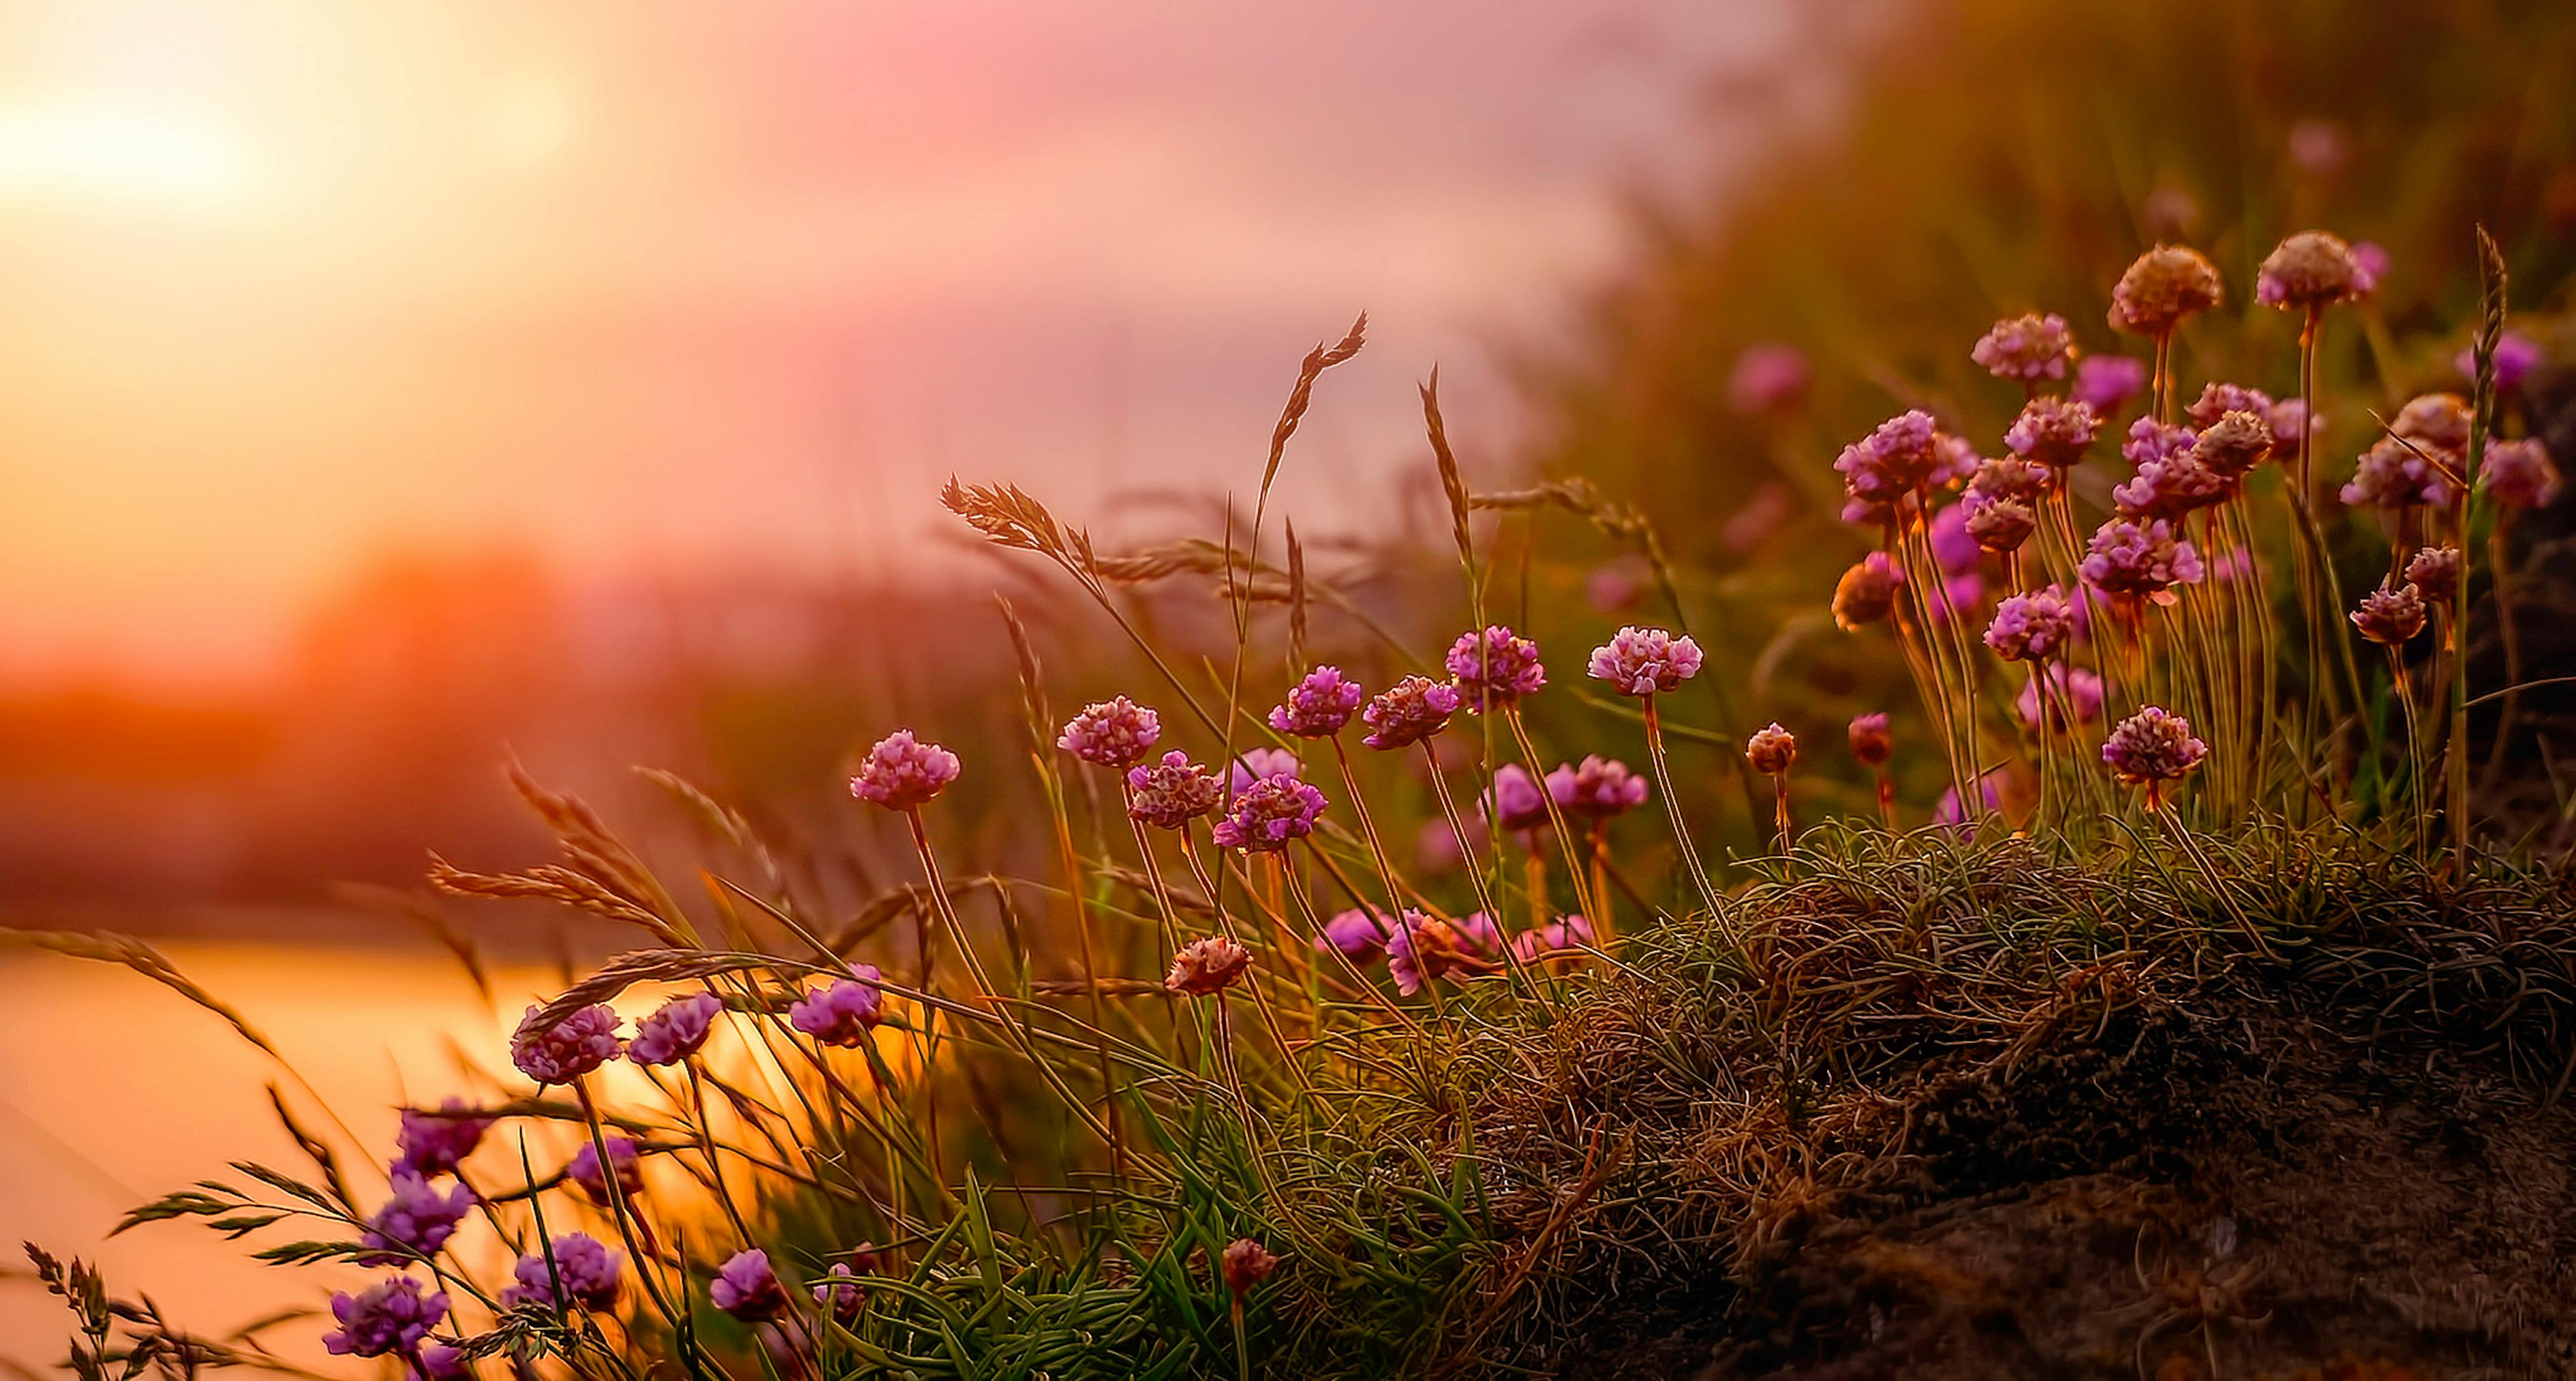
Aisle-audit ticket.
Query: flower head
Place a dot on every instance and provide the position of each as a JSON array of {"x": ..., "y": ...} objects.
[
  {"x": 2234, "y": 444},
  {"x": 583, "y": 1168},
  {"x": 1408, "y": 712},
  {"x": 2026, "y": 348},
  {"x": 747, "y": 1288},
  {"x": 2310, "y": 269},
  {"x": 436, "y": 1143},
  {"x": 1869, "y": 740},
  {"x": 388, "y": 1318},
  {"x": 1494, "y": 668},
  {"x": 843, "y": 1011},
  {"x": 1956, "y": 551},
  {"x": 2172, "y": 480},
  {"x": 1769, "y": 378},
  {"x": 840, "y": 1294},
  {"x": 2078, "y": 690},
  {"x": 587, "y": 1270},
  {"x": 2436, "y": 421},
  {"x": 570, "y": 1048},
  {"x": 2219, "y": 399},
  {"x": 1900, "y": 456},
  {"x": 1360, "y": 935},
  {"x": 2132, "y": 558},
  {"x": 2395, "y": 475},
  {"x": 1867, "y": 591},
  {"x": 1426, "y": 948},
  {"x": 1598, "y": 789},
  {"x": 2002, "y": 526},
  {"x": 1319, "y": 705},
  {"x": 2053, "y": 431},
  {"x": 415, "y": 1222},
  {"x": 2390, "y": 615},
  {"x": 1642, "y": 661},
  {"x": 2164, "y": 285},
  {"x": 1771, "y": 749},
  {"x": 1209, "y": 965},
  {"x": 1515, "y": 800},
  {"x": 2516, "y": 355},
  {"x": 675, "y": 1030},
  {"x": 2153, "y": 746},
  {"x": 901, "y": 773},
  {"x": 2107, "y": 383},
  {"x": 1268, "y": 813},
  {"x": 1246, "y": 1263},
  {"x": 2435, "y": 574},
  {"x": 2006, "y": 479},
  {"x": 2370, "y": 263},
  {"x": 1254, "y": 764},
  {"x": 1173, "y": 792},
  {"x": 2520, "y": 474},
  {"x": 2032, "y": 627},
  {"x": 1111, "y": 733}
]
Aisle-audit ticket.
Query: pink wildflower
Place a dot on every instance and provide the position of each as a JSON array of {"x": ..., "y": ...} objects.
[
  {"x": 2025, "y": 349},
  {"x": 1111, "y": 733},
  {"x": 1269, "y": 813},
  {"x": 1319, "y": 705},
  {"x": 901, "y": 773},
  {"x": 1408, "y": 712},
  {"x": 1642, "y": 661},
  {"x": 1494, "y": 668}
]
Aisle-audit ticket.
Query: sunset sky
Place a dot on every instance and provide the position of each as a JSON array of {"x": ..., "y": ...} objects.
[{"x": 291, "y": 286}]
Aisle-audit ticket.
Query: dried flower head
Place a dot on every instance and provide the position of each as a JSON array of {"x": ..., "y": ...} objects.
[
  {"x": 1359, "y": 934},
  {"x": 2390, "y": 614},
  {"x": 1319, "y": 705},
  {"x": 2108, "y": 383},
  {"x": 901, "y": 773},
  {"x": 1869, "y": 740},
  {"x": 676, "y": 1030},
  {"x": 2516, "y": 355},
  {"x": 570, "y": 1048},
  {"x": 2026, "y": 348},
  {"x": 1771, "y": 749},
  {"x": 2520, "y": 474},
  {"x": 1598, "y": 789},
  {"x": 2054, "y": 431},
  {"x": 2077, "y": 691},
  {"x": 840, "y": 1294},
  {"x": 2153, "y": 746},
  {"x": 2308, "y": 270},
  {"x": 623, "y": 1157},
  {"x": 1769, "y": 378},
  {"x": 387, "y": 1319},
  {"x": 1269, "y": 813},
  {"x": 588, "y": 1270},
  {"x": 2436, "y": 421},
  {"x": 1205, "y": 966},
  {"x": 1254, "y": 764},
  {"x": 1642, "y": 661},
  {"x": 1112, "y": 733},
  {"x": 1867, "y": 592},
  {"x": 843, "y": 1011},
  {"x": 1170, "y": 794},
  {"x": 2435, "y": 574},
  {"x": 2395, "y": 475},
  {"x": 2139, "y": 559},
  {"x": 1246, "y": 1263},
  {"x": 1494, "y": 668},
  {"x": 2234, "y": 444},
  {"x": 436, "y": 1143},
  {"x": 2002, "y": 526},
  {"x": 2164, "y": 285},
  {"x": 2032, "y": 627},
  {"x": 414, "y": 1223},
  {"x": 2219, "y": 399},
  {"x": 1408, "y": 712},
  {"x": 1515, "y": 800},
  {"x": 747, "y": 1288}
]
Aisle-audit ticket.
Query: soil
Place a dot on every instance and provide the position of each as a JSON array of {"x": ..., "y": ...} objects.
[{"x": 2237, "y": 1195}]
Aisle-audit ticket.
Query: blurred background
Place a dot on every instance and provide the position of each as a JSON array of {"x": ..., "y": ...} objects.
[{"x": 391, "y": 391}]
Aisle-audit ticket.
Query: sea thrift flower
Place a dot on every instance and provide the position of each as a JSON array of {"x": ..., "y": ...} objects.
[
  {"x": 2002, "y": 526},
  {"x": 2393, "y": 475},
  {"x": 387, "y": 1319},
  {"x": 1867, "y": 592},
  {"x": 415, "y": 1222},
  {"x": 587, "y": 1269},
  {"x": 2129, "y": 558},
  {"x": 2370, "y": 263},
  {"x": 1205, "y": 966},
  {"x": 2055, "y": 431},
  {"x": 2390, "y": 615},
  {"x": 2308, "y": 270},
  {"x": 2219, "y": 399},
  {"x": 2032, "y": 627},
  {"x": 2107, "y": 383},
  {"x": 2289, "y": 434},
  {"x": 1254, "y": 764},
  {"x": 1268, "y": 813},
  {"x": 1112, "y": 733},
  {"x": 2025, "y": 349},
  {"x": 1515, "y": 799},
  {"x": 747, "y": 1288},
  {"x": 2234, "y": 444},
  {"x": 1408, "y": 712},
  {"x": 1771, "y": 750},
  {"x": 583, "y": 1168},
  {"x": 2170, "y": 486},
  {"x": 2436, "y": 421},
  {"x": 2078, "y": 690},
  {"x": 1170, "y": 794},
  {"x": 1598, "y": 789},
  {"x": 675, "y": 1031},
  {"x": 1567, "y": 934},
  {"x": 2516, "y": 356},
  {"x": 2166, "y": 284},
  {"x": 1892, "y": 461},
  {"x": 1642, "y": 661},
  {"x": 435, "y": 1144},
  {"x": 843, "y": 1011},
  {"x": 1955, "y": 459},
  {"x": 2435, "y": 574},
  {"x": 570, "y": 1048},
  {"x": 1494, "y": 668},
  {"x": 1768, "y": 378},
  {"x": 1246, "y": 1263},
  {"x": 2520, "y": 474},
  {"x": 1425, "y": 948},
  {"x": 1869, "y": 740},
  {"x": 901, "y": 773},
  {"x": 2152, "y": 747},
  {"x": 1319, "y": 705},
  {"x": 1360, "y": 935},
  {"x": 1478, "y": 936},
  {"x": 2005, "y": 479},
  {"x": 840, "y": 1294}
]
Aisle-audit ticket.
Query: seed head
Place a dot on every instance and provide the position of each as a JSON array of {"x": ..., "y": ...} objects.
[
  {"x": 1869, "y": 740},
  {"x": 1112, "y": 733},
  {"x": 2153, "y": 746},
  {"x": 1319, "y": 705},
  {"x": 1867, "y": 592},
  {"x": 2032, "y": 627},
  {"x": 2234, "y": 444},
  {"x": 1771, "y": 749},
  {"x": 1246, "y": 1263},
  {"x": 1642, "y": 661},
  {"x": 1268, "y": 813},
  {"x": 2026, "y": 348},
  {"x": 2006, "y": 478},
  {"x": 2309, "y": 269},
  {"x": 2390, "y": 615},
  {"x": 1494, "y": 668},
  {"x": 843, "y": 1011},
  {"x": 589, "y": 1272},
  {"x": 1599, "y": 789},
  {"x": 902, "y": 774},
  {"x": 747, "y": 1288},
  {"x": 1170, "y": 794},
  {"x": 2520, "y": 474},
  {"x": 2165, "y": 285},
  {"x": 388, "y": 1318},
  {"x": 1408, "y": 712},
  {"x": 2435, "y": 574},
  {"x": 2054, "y": 431},
  {"x": 675, "y": 1031},
  {"x": 1205, "y": 966},
  {"x": 570, "y": 1048}
]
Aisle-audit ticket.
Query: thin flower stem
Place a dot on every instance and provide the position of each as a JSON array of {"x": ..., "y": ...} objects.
[{"x": 1681, "y": 830}]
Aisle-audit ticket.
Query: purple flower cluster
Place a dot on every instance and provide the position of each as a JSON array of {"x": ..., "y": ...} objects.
[
  {"x": 1319, "y": 705},
  {"x": 1359, "y": 934},
  {"x": 1116, "y": 732},
  {"x": 2291, "y": 427},
  {"x": 2054, "y": 431},
  {"x": 1990, "y": 790},
  {"x": 1255, "y": 764},
  {"x": 843, "y": 1011},
  {"x": 840, "y": 1294},
  {"x": 414, "y": 1223},
  {"x": 387, "y": 1319},
  {"x": 2133, "y": 559},
  {"x": 2308, "y": 270},
  {"x": 675, "y": 1030},
  {"x": 435, "y": 1143},
  {"x": 589, "y": 1273},
  {"x": 1494, "y": 668},
  {"x": 1564, "y": 935},
  {"x": 2390, "y": 615},
  {"x": 2153, "y": 746},
  {"x": 1881, "y": 469},
  {"x": 1170, "y": 794},
  {"x": 2234, "y": 444},
  {"x": 1515, "y": 800},
  {"x": 747, "y": 1288},
  {"x": 1408, "y": 712},
  {"x": 623, "y": 1157},
  {"x": 2435, "y": 574},
  {"x": 570, "y": 1048},
  {"x": 2395, "y": 475},
  {"x": 2026, "y": 348},
  {"x": 2436, "y": 421},
  {"x": 1424, "y": 949},
  {"x": 1269, "y": 813},
  {"x": 2515, "y": 357},
  {"x": 901, "y": 773},
  {"x": 2107, "y": 383},
  {"x": 2218, "y": 399},
  {"x": 2520, "y": 474},
  {"x": 2164, "y": 285},
  {"x": 2032, "y": 627},
  {"x": 1642, "y": 661},
  {"x": 1598, "y": 789},
  {"x": 2172, "y": 478},
  {"x": 2007, "y": 479}
]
